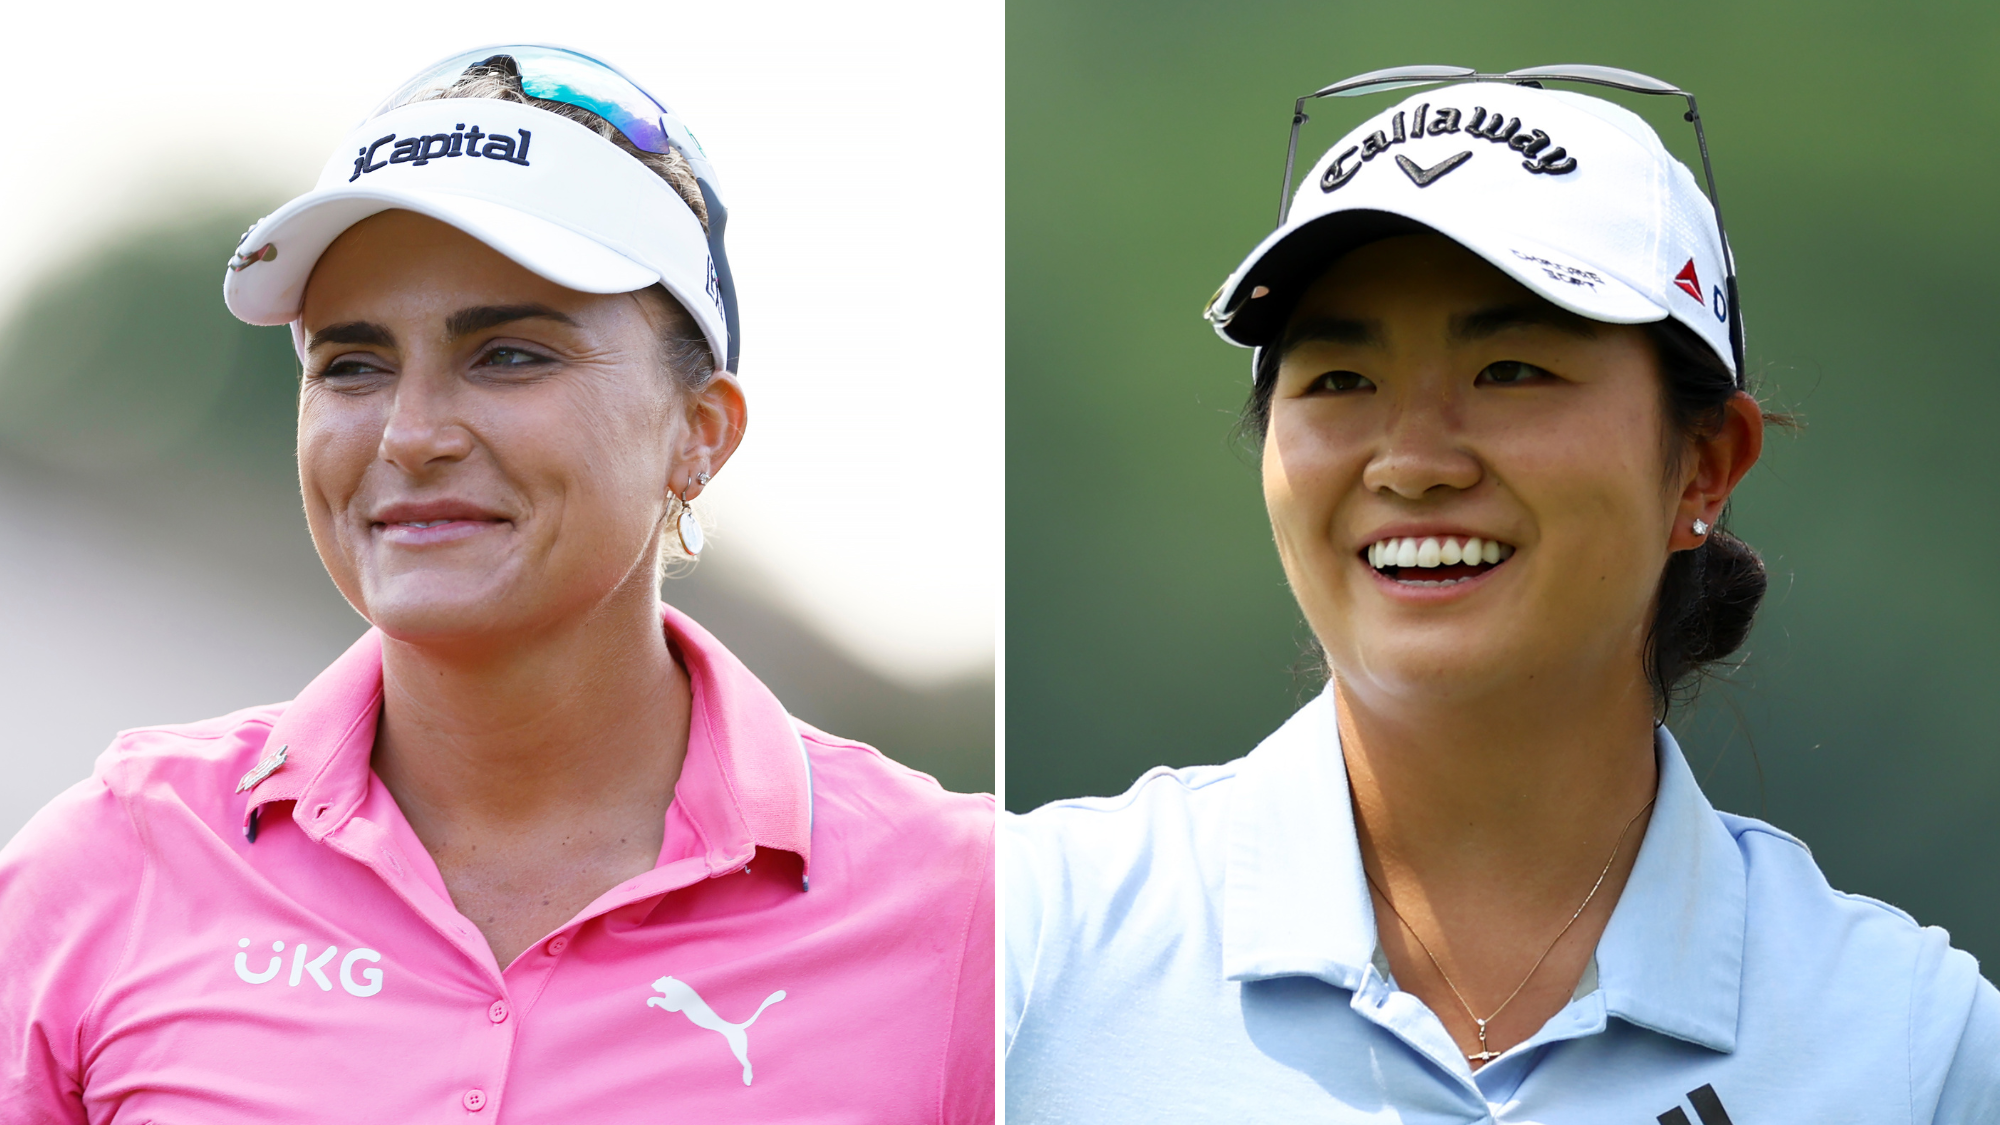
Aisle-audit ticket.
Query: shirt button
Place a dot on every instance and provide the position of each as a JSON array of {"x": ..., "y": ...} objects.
[
  {"x": 498, "y": 1011},
  {"x": 475, "y": 1100},
  {"x": 557, "y": 944}
]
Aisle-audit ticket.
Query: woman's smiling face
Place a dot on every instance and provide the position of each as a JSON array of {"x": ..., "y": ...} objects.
[
  {"x": 1425, "y": 400},
  {"x": 481, "y": 448}
]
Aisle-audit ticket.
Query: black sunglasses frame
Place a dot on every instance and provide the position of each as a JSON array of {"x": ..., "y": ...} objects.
[{"x": 1631, "y": 81}]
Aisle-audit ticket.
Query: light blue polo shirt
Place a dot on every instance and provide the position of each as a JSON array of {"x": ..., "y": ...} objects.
[{"x": 1203, "y": 949}]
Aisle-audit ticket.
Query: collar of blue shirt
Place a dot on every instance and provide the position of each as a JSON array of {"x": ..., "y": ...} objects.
[{"x": 1671, "y": 958}]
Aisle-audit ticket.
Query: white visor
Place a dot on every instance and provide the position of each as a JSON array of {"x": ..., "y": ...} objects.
[
  {"x": 1572, "y": 196},
  {"x": 545, "y": 191}
]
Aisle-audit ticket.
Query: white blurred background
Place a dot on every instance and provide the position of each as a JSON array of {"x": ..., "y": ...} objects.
[{"x": 156, "y": 569}]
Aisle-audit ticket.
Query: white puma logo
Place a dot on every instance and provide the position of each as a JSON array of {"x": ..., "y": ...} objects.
[{"x": 676, "y": 996}]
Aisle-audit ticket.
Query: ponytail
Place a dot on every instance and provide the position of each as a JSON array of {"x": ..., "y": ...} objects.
[{"x": 1708, "y": 596}]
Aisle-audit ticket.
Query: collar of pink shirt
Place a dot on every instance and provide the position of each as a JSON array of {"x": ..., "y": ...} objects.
[{"x": 746, "y": 782}]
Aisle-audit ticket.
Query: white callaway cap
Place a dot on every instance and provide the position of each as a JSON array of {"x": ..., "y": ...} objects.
[
  {"x": 545, "y": 191},
  {"x": 1570, "y": 195}
]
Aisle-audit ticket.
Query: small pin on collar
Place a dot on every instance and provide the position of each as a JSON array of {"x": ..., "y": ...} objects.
[{"x": 263, "y": 769}]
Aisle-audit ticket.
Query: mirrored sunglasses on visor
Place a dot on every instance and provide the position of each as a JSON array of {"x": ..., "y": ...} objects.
[
  {"x": 558, "y": 74},
  {"x": 1403, "y": 77}
]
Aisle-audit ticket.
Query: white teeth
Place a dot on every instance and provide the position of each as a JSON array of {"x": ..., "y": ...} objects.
[{"x": 1431, "y": 551}]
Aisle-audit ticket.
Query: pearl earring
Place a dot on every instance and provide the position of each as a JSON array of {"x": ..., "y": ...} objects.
[
  {"x": 688, "y": 527},
  {"x": 1700, "y": 526}
]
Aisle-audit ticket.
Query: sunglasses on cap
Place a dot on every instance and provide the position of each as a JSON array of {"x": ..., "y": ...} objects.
[
  {"x": 1403, "y": 77},
  {"x": 558, "y": 74}
]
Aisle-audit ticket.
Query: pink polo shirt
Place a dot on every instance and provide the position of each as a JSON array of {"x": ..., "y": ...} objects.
[{"x": 157, "y": 965}]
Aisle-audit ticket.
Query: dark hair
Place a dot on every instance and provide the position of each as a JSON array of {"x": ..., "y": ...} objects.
[
  {"x": 1708, "y": 596},
  {"x": 683, "y": 347}
]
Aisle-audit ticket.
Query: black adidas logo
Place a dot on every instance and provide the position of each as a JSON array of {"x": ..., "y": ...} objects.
[{"x": 1707, "y": 1106}]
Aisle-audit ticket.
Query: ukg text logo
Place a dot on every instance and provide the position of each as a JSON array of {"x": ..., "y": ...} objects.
[{"x": 316, "y": 967}]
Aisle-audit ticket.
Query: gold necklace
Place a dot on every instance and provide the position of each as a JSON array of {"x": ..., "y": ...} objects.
[{"x": 1485, "y": 1053}]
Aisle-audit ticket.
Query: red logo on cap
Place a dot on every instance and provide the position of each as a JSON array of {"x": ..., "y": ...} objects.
[{"x": 1688, "y": 282}]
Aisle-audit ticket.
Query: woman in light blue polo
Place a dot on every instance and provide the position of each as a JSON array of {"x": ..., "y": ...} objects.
[{"x": 1498, "y": 386}]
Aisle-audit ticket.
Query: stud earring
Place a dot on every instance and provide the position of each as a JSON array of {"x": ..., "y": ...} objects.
[
  {"x": 1700, "y": 526},
  {"x": 688, "y": 527}
]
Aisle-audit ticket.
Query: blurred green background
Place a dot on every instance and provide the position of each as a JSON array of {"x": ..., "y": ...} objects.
[
  {"x": 1855, "y": 150},
  {"x": 154, "y": 561}
]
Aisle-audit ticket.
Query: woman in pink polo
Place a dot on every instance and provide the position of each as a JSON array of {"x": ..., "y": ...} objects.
[{"x": 537, "y": 848}]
